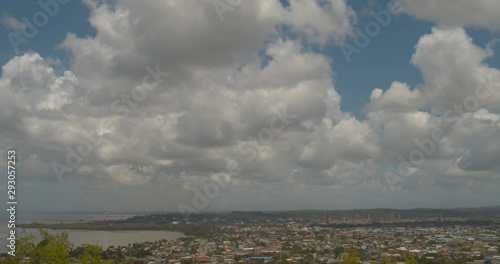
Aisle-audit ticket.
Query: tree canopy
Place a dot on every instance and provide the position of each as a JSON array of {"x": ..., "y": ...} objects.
[{"x": 54, "y": 248}]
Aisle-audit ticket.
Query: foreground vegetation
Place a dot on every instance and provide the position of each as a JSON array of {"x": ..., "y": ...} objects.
[{"x": 55, "y": 248}]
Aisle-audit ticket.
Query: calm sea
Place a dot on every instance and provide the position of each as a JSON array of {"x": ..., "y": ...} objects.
[{"x": 78, "y": 237}]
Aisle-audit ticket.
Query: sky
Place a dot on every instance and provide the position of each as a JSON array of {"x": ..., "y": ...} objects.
[{"x": 212, "y": 105}]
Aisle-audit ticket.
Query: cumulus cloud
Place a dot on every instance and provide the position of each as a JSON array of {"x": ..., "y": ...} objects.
[
  {"x": 398, "y": 98},
  {"x": 33, "y": 85},
  {"x": 462, "y": 13},
  {"x": 454, "y": 73},
  {"x": 454, "y": 69},
  {"x": 330, "y": 20},
  {"x": 214, "y": 102},
  {"x": 457, "y": 101}
]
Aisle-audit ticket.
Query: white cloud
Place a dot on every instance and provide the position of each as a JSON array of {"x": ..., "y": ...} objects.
[
  {"x": 12, "y": 23},
  {"x": 29, "y": 83},
  {"x": 462, "y": 94},
  {"x": 453, "y": 69},
  {"x": 331, "y": 20},
  {"x": 462, "y": 13},
  {"x": 398, "y": 98}
]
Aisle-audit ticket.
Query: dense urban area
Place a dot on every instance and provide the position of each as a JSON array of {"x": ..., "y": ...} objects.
[{"x": 355, "y": 236}]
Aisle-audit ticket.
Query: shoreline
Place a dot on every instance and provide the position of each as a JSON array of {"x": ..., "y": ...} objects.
[{"x": 201, "y": 230}]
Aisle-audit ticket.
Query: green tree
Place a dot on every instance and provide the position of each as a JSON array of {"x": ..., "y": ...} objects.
[
  {"x": 53, "y": 248},
  {"x": 411, "y": 260},
  {"x": 386, "y": 260},
  {"x": 351, "y": 257},
  {"x": 91, "y": 254},
  {"x": 308, "y": 258},
  {"x": 337, "y": 251},
  {"x": 24, "y": 246}
]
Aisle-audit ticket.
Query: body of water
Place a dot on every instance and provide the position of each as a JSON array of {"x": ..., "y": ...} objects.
[{"x": 79, "y": 237}]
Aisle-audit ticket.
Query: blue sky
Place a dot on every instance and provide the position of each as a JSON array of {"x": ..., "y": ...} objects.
[
  {"x": 388, "y": 55},
  {"x": 72, "y": 18}
]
